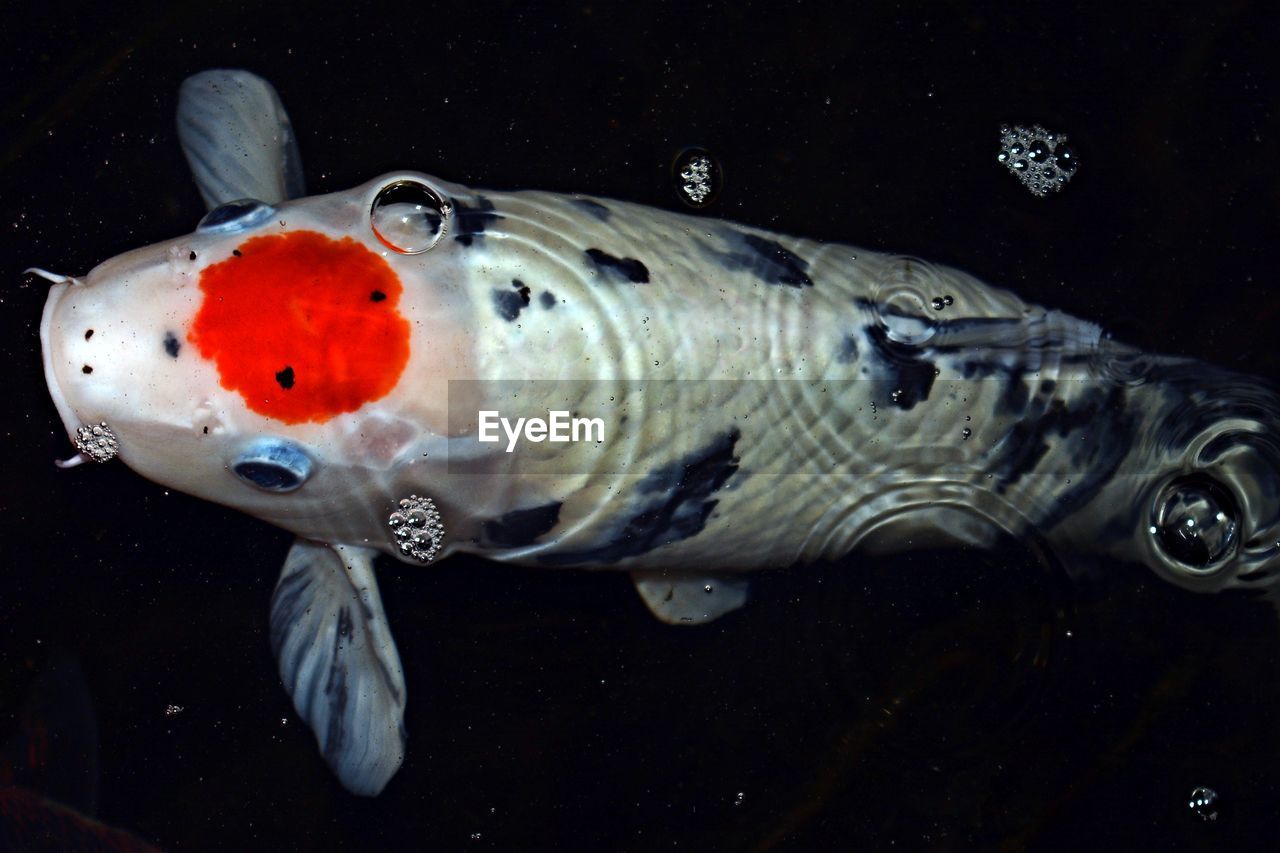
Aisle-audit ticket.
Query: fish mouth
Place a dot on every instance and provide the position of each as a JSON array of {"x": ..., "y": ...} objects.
[{"x": 65, "y": 411}]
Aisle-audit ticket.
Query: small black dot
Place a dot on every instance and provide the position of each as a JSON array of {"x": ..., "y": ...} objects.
[
  {"x": 88, "y": 334},
  {"x": 191, "y": 257},
  {"x": 171, "y": 345},
  {"x": 377, "y": 296},
  {"x": 285, "y": 378},
  {"x": 235, "y": 252},
  {"x": 206, "y": 430},
  {"x": 86, "y": 369}
]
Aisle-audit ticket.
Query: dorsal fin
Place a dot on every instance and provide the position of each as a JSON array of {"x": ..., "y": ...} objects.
[{"x": 237, "y": 138}]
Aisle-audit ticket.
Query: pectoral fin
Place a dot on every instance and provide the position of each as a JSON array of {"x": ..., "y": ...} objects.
[
  {"x": 237, "y": 138},
  {"x": 339, "y": 663},
  {"x": 680, "y": 599}
]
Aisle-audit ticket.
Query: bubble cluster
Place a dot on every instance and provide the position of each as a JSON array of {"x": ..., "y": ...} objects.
[
  {"x": 97, "y": 442},
  {"x": 1039, "y": 159},
  {"x": 1204, "y": 804},
  {"x": 697, "y": 177},
  {"x": 417, "y": 528}
]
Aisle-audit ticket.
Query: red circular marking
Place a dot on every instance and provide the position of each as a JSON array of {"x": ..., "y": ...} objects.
[{"x": 302, "y": 326}]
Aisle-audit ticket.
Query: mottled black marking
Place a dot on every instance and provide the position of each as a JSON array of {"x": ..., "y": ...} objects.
[
  {"x": 1013, "y": 400},
  {"x": 191, "y": 257},
  {"x": 625, "y": 269},
  {"x": 675, "y": 504},
  {"x": 86, "y": 369},
  {"x": 236, "y": 252},
  {"x": 471, "y": 221},
  {"x": 909, "y": 373},
  {"x": 522, "y": 289},
  {"x": 377, "y": 296},
  {"x": 508, "y": 304},
  {"x": 88, "y": 333},
  {"x": 595, "y": 208},
  {"x": 848, "y": 352},
  {"x": 520, "y": 527},
  {"x": 1100, "y": 432},
  {"x": 171, "y": 345},
  {"x": 285, "y": 377},
  {"x": 547, "y": 300}
]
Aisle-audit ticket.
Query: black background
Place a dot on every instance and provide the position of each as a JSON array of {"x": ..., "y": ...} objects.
[{"x": 933, "y": 701}]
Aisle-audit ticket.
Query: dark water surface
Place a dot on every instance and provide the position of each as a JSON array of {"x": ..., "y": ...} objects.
[{"x": 942, "y": 701}]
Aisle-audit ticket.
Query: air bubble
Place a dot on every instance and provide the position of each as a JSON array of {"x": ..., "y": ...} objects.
[
  {"x": 899, "y": 304},
  {"x": 1204, "y": 804},
  {"x": 1195, "y": 522},
  {"x": 697, "y": 177},
  {"x": 409, "y": 217}
]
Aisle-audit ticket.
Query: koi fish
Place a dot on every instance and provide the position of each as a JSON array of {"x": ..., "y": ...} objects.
[{"x": 328, "y": 364}]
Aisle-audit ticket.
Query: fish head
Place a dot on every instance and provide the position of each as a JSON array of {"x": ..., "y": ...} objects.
[{"x": 274, "y": 345}]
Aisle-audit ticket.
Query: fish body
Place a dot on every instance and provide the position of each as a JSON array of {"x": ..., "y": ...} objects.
[{"x": 326, "y": 363}]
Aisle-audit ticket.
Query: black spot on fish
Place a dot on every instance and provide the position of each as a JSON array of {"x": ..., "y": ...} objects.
[
  {"x": 766, "y": 259},
  {"x": 779, "y": 265},
  {"x": 547, "y": 300},
  {"x": 285, "y": 377},
  {"x": 848, "y": 352},
  {"x": 86, "y": 369},
  {"x": 508, "y": 304},
  {"x": 1048, "y": 386},
  {"x": 171, "y": 345},
  {"x": 522, "y": 289},
  {"x": 471, "y": 221},
  {"x": 980, "y": 369},
  {"x": 521, "y": 526},
  {"x": 626, "y": 269},
  {"x": 88, "y": 333},
  {"x": 910, "y": 376},
  {"x": 674, "y": 504},
  {"x": 206, "y": 430},
  {"x": 236, "y": 252},
  {"x": 377, "y": 296},
  {"x": 595, "y": 208},
  {"x": 191, "y": 257}
]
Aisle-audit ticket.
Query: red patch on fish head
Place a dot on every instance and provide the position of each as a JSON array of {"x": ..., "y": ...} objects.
[{"x": 302, "y": 326}]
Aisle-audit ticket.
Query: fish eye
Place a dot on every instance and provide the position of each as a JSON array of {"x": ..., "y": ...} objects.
[
  {"x": 1195, "y": 522},
  {"x": 409, "y": 217},
  {"x": 273, "y": 465},
  {"x": 240, "y": 215}
]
